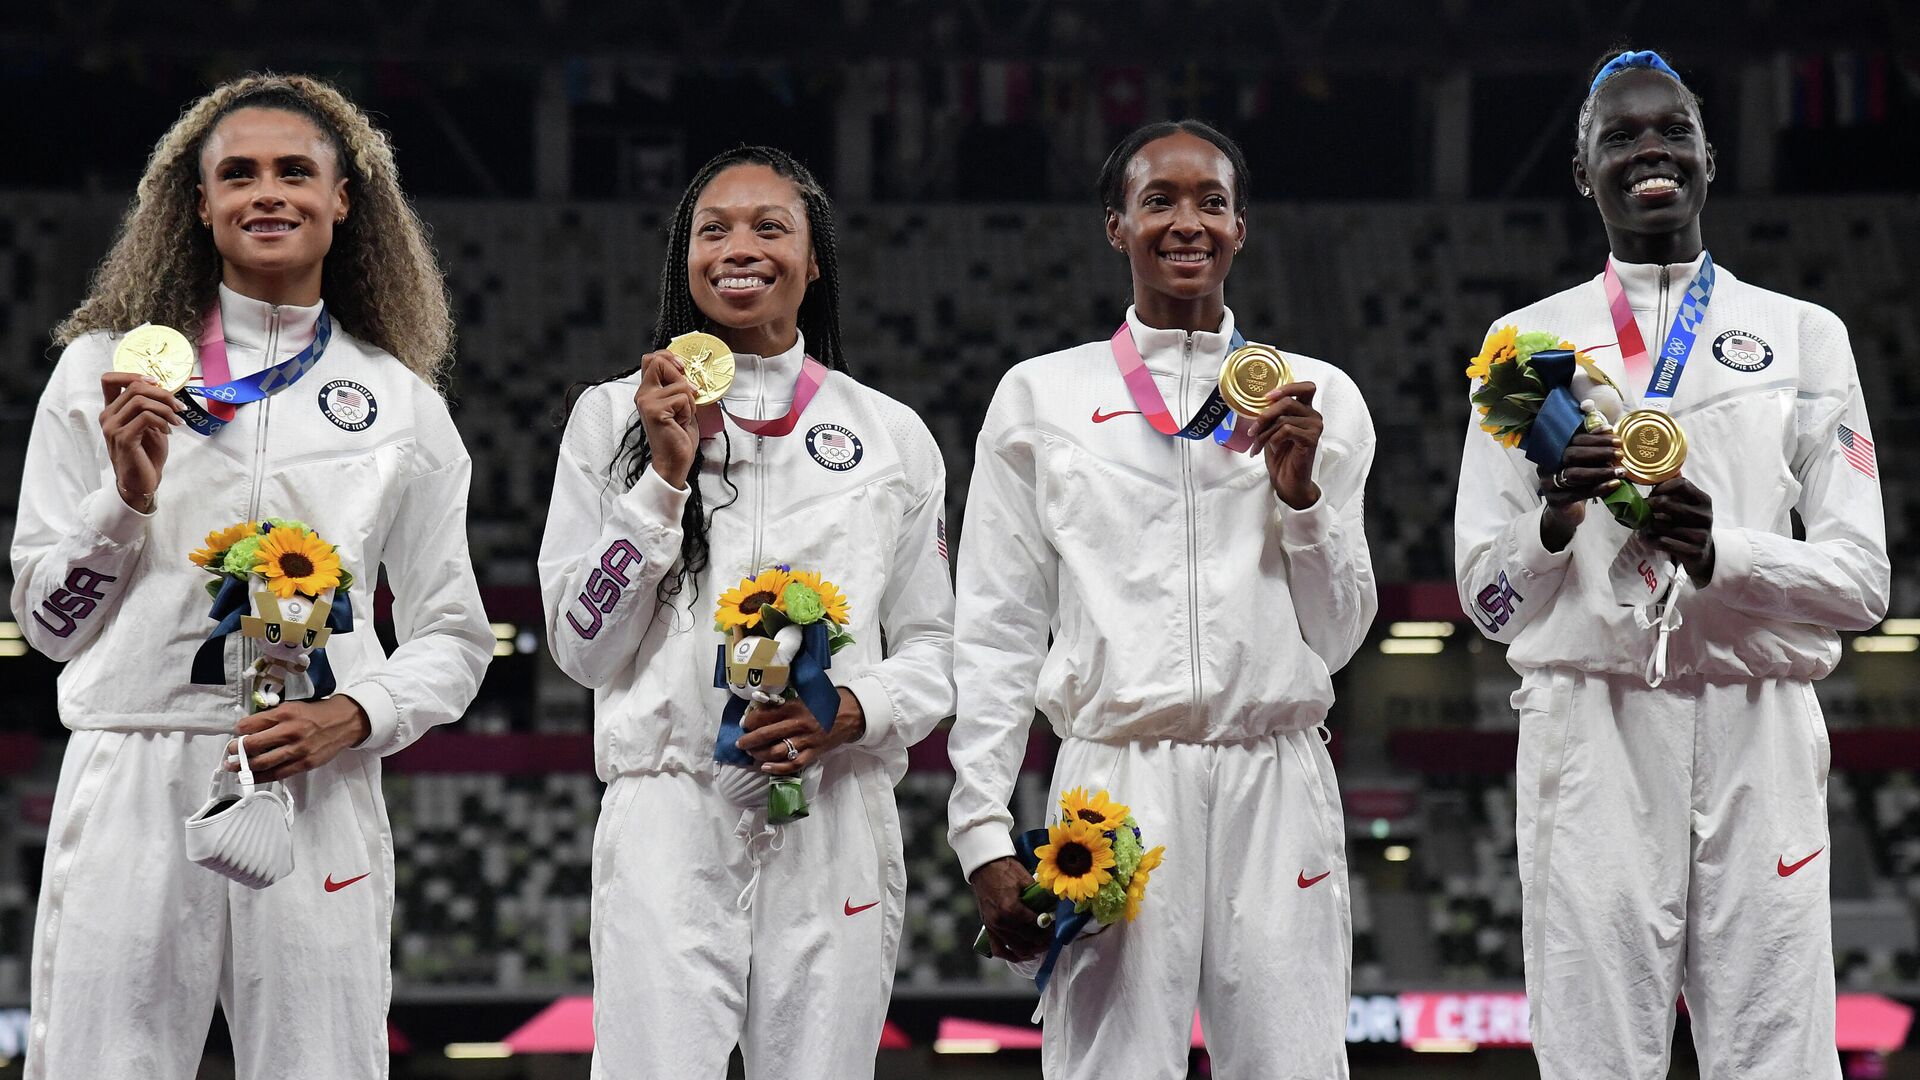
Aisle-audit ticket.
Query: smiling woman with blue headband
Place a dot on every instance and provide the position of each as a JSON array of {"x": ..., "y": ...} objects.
[{"x": 1673, "y": 759}]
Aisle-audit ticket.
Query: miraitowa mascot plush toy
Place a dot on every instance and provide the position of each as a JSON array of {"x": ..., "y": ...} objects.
[
  {"x": 782, "y": 628},
  {"x": 282, "y": 587}
]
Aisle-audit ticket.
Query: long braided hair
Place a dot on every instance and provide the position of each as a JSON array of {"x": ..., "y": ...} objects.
[{"x": 819, "y": 326}]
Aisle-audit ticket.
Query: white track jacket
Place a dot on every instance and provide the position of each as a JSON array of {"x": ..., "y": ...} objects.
[
  {"x": 1775, "y": 424},
  {"x": 360, "y": 448},
  {"x": 1137, "y": 586},
  {"x": 855, "y": 492}
]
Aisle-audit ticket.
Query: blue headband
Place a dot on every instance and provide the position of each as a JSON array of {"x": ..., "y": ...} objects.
[{"x": 1645, "y": 58}]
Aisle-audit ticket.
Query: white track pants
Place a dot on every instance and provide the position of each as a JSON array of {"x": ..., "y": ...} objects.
[
  {"x": 799, "y": 977},
  {"x": 1674, "y": 840},
  {"x": 1248, "y": 917},
  {"x": 133, "y": 943}
]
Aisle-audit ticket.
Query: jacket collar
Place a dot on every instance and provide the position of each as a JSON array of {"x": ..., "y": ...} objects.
[
  {"x": 248, "y": 323},
  {"x": 763, "y": 385},
  {"x": 1165, "y": 351},
  {"x": 1642, "y": 281}
]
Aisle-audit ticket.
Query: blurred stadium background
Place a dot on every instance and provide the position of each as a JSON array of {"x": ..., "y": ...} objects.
[{"x": 1410, "y": 185}]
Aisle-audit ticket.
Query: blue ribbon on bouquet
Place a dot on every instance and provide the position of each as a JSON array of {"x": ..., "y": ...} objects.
[
  {"x": 809, "y": 677},
  {"x": 230, "y": 605},
  {"x": 1560, "y": 418},
  {"x": 1067, "y": 923}
]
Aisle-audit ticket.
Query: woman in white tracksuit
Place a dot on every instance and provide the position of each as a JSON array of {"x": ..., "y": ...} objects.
[
  {"x": 1176, "y": 610},
  {"x": 269, "y": 194},
  {"x": 711, "y": 927},
  {"x": 1672, "y": 838}
]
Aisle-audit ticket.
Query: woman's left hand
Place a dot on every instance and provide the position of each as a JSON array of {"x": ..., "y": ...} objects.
[
  {"x": 770, "y": 726},
  {"x": 299, "y": 736},
  {"x": 1288, "y": 431}
]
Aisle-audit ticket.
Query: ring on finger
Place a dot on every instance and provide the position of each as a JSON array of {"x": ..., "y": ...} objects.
[
  {"x": 792, "y": 750},
  {"x": 1559, "y": 480}
]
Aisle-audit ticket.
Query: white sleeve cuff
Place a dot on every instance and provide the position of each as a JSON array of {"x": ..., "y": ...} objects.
[
  {"x": 1530, "y": 553},
  {"x": 383, "y": 716},
  {"x": 653, "y": 498},
  {"x": 1305, "y": 528},
  {"x": 109, "y": 515},
  {"x": 981, "y": 844},
  {"x": 876, "y": 706},
  {"x": 1732, "y": 559}
]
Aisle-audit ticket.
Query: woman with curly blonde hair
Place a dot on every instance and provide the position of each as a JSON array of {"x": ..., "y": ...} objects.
[{"x": 271, "y": 229}]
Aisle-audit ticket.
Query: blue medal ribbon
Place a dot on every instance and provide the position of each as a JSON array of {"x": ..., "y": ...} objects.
[
  {"x": 258, "y": 386},
  {"x": 1672, "y": 361}
]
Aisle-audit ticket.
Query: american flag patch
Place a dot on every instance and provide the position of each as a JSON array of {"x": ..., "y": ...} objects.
[
  {"x": 940, "y": 539},
  {"x": 1859, "y": 451}
]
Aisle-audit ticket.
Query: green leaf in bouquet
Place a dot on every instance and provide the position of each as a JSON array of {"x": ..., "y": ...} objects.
[
  {"x": 837, "y": 638},
  {"x": 346, "y": 580},
  {"x": 1509, "y": 416},
  {"x": 772, "y": 620}
]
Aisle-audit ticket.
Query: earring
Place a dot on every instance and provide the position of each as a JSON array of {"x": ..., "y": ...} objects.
[
  {"x": 341, "y": 220},
  {"x": 1586, "y": 193},
  {"x": 205, "y": 223}
]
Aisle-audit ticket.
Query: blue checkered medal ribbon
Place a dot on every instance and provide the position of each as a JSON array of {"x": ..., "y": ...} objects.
[
  {"x": 259, "y": 385},
  {"x": 1672, "y": 361}
]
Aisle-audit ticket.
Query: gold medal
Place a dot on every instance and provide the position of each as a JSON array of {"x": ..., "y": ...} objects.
[
  {"x": 1251, "y": 372},
  {"x": 708, "y": 362},
  {"x": 158, "y": 352},
  {"x": 1653, "y": 446}
]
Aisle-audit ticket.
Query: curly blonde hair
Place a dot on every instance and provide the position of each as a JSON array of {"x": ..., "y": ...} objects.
[{"x": 380, "y": 277}]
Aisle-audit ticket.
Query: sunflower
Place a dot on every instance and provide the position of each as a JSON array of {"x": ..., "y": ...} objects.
[
  {"x": 294, "y": 560},
  {"x": 219, "y": 540},
  {"x": 1137, "y": 885},
  {"x": 1097, "y": 809},
  {"x": 1076, "y": 861},
  {"x": 1499, "y": 349},
  {"x": 740, "y": 606},
  {"x": 830, "y": 596}
]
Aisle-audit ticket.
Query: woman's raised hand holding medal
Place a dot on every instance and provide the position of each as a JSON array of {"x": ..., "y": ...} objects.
[
  {"x": 1288, "y": 433},
  {"x": 138, "y": 416},
  {"x": 668, "y": 413}
]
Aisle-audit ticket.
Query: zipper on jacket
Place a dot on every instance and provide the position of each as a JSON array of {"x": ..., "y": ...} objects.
[
  {"x": 247, "y": 648},
  {"x": 1193, "y": 571},
  {"x": 1660, "y": 307},
  {"x": 759, "y": 466}
]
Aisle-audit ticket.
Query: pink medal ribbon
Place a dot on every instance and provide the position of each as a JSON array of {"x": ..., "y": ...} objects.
[
  {"x": 213, "y": 362},
  {"x": 812, "y": 373},
  {"x": 1215, "y": 417}
]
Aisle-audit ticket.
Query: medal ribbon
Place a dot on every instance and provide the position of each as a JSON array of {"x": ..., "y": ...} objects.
[
  {"x": 218, "y": 400},
  {"x": 1215, "y": 416},
  {"x": 812, "y": 374},
  {"x": 1662, "y": 374}
]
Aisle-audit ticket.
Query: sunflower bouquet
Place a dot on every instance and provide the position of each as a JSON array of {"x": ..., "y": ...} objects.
[
  {"x": 279, "y": 582},
  {"x": 782, "y": 628},
  {"x": 1091, "y": 866},
  {"x": 1537, "y": 391}
]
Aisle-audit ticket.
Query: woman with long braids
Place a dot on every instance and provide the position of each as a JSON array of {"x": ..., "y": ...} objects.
[
  {"x": 1672, "y": 771},
  {"x": 270, "y": 228},
  {"x": 658, "y": 506}
]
